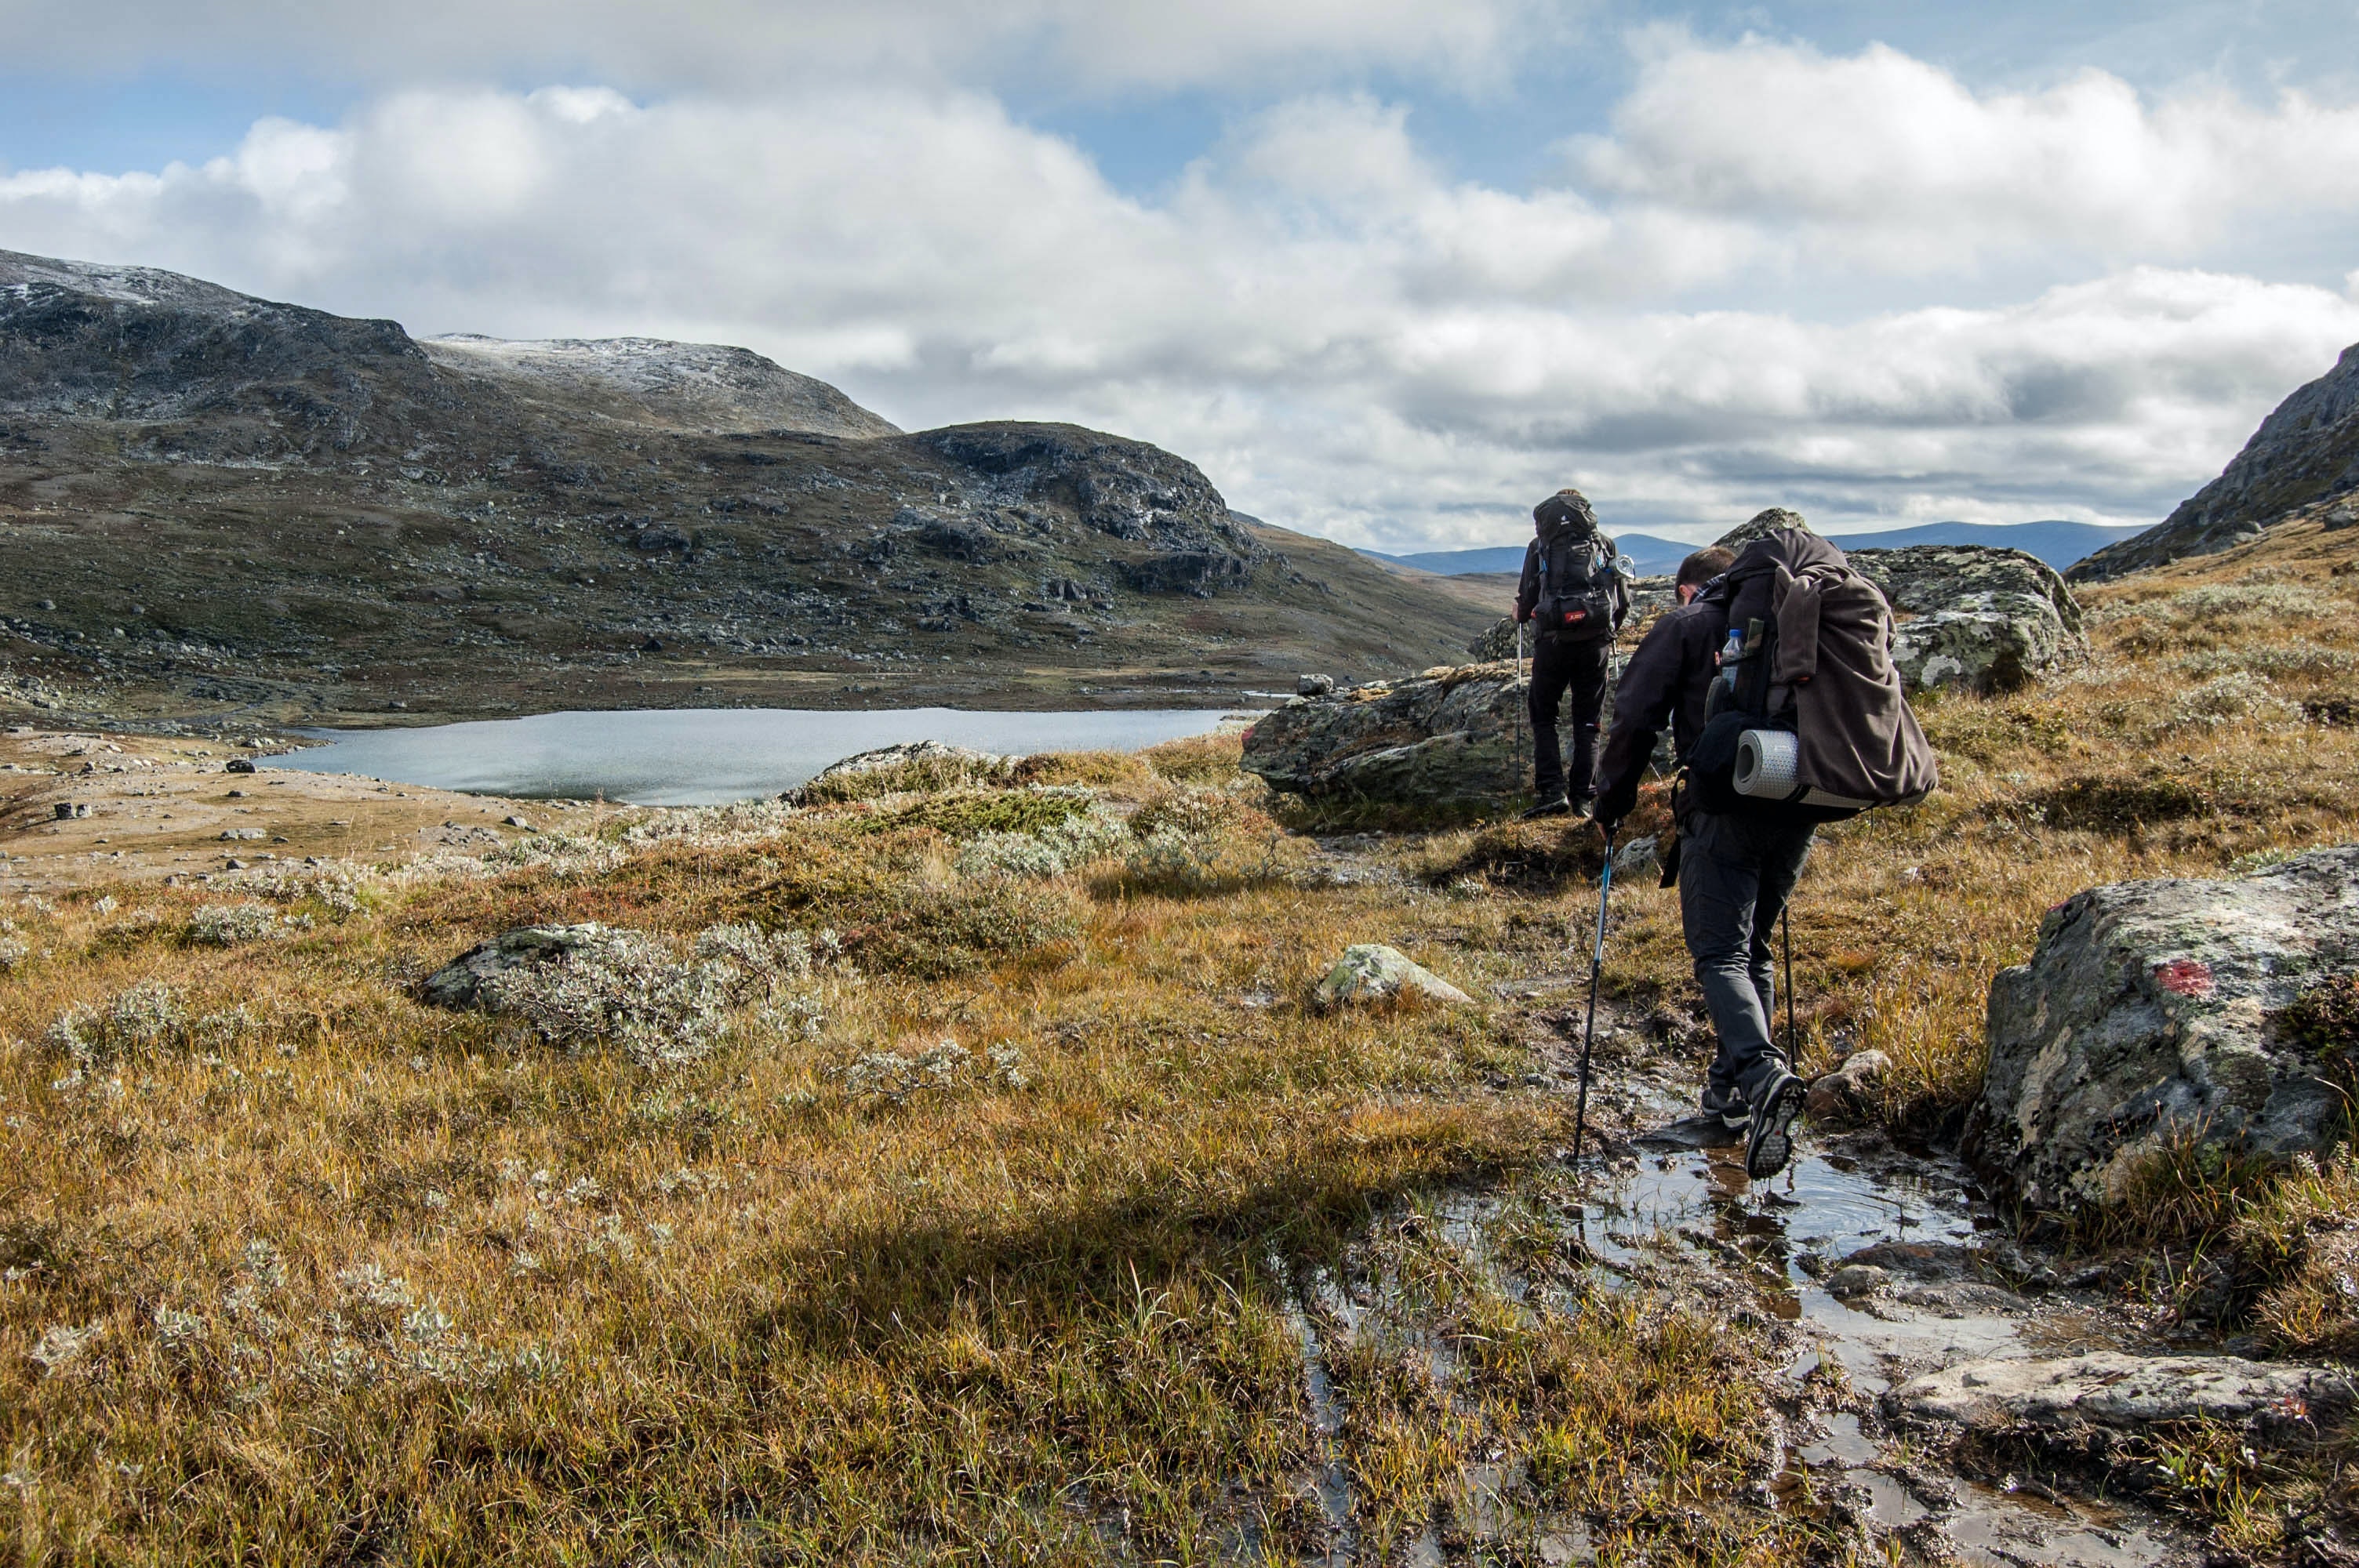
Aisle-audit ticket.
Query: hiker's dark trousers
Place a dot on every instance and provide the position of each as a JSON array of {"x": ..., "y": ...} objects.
[
  {"x": 1558, "y": 668},
  {"x": 1735, "y": 874}
]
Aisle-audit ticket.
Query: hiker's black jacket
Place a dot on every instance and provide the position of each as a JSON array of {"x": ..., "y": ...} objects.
[{"x": 1666, "y": 682}]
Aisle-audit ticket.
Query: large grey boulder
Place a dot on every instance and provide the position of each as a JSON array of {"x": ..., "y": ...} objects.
[
  {"x": 2155, "y": 1010},
  {"x": 2107, "y": 1388},
  {"x": 1975, "y": 617},
  {"x": 1760, "y": 526},
  {"x": 1449, "y": 736}
]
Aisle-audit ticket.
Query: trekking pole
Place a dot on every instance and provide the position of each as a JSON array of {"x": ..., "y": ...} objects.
[
  {"x": 1519, "y": 703},
  {"x": 1589, "y": 1029},
  {"x": 1793, "y": 1039}
]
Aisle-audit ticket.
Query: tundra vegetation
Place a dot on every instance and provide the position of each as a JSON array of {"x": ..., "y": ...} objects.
[{"x": 953, "y": 1167}]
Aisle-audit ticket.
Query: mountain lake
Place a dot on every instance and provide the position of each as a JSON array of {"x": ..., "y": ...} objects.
[{"x": 705, "y": 756}]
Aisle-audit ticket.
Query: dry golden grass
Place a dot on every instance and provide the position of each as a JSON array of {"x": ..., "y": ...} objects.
[{"x": 299, "y": 1269}]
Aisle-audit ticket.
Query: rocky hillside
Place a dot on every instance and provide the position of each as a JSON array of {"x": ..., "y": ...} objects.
[
  {"x": 212, "y": 504},
  {"x": 2304, "y": 455}
]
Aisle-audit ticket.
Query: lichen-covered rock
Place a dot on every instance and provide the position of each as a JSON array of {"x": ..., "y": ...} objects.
[
  {"x": 1926, "y": 579},
  {"x": 1496, "y": 643},
  {"x": 1372, "y": 972},
  {"x": 2157, "y": 1010},
  {"x": 1976, "y": 618},
  {"x": 461, "y": 983},
  {"x": 1989, "y": 644},
  {"x": 1760, "y": 526},
  {"x": 1449, "y": 736},
  {"x": 2108, "y": 1388}
]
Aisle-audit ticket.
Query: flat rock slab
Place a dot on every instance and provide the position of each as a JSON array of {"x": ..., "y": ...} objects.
[
  {"x": 2109, "y": 1388},
  {"x": 1690, "y": 1132}
]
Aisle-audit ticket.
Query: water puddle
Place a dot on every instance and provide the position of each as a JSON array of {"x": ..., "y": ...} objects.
[{"x": 1883, "y": 1262}]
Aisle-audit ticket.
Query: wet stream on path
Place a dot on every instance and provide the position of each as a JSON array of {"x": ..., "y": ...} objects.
[{"x": 1867, "y": 1263}]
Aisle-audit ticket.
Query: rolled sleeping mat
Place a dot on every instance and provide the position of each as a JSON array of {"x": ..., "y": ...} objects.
[{"x": 1767, "y": 762}]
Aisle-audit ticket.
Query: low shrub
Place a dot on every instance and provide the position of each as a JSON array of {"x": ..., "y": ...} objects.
[
  {"x": 1093, "y": 769},
  {"x": 915, "y": 775},
  {"x": 1048, "y": 851},
  {"x": 1197, "y": 759},
  {"x": 2115, "y": 805},
  {"x": 967, "y": 814}
]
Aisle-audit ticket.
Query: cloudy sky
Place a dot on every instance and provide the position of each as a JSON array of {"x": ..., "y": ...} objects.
[{"x": 1388, "y": 271}]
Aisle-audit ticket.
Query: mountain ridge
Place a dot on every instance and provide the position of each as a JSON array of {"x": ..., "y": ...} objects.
[
  {"x": 2305, "y": 453},
  {"x": 2049, "y": 540},
  {"x": 212, "y": 503}
]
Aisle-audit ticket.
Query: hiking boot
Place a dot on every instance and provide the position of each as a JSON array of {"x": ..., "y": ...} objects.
[
  {"x": 1555, "y": 805},
  {"x": 1770, "y": 1142},
  {"x": 1583, "y": 805},
  {"x": 1734, "y": 1113}
]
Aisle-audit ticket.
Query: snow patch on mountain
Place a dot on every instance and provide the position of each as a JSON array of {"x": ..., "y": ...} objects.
[{"x": 701, "y": 386}]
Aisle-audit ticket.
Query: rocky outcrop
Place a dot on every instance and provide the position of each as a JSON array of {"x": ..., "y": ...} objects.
[
  {"x": 2306, "y": 453},
  {"x": 1976, "y": 618},
  {"x": 2107, "y": 1388},
  {"x": 1371, "y": 972},
  {"x": 1760, "y": 526},
  {"x": 469, "y": 980},
  {"x": 1128, "y": 490},
  {"x": 2154, "y": 1011},
  {"x": 1450, "y": 736}
]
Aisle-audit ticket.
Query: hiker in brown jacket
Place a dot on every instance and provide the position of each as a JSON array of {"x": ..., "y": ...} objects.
[{"x": 1831, "y": 685}]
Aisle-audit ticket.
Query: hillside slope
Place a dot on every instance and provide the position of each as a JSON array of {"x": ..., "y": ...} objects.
[
  {"x": 212, "y": 504},
  {"x": 2306, "y": 451}
]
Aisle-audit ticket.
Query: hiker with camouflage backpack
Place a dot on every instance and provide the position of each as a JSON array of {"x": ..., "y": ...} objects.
[
  {"x": 1573, "y": 596},
  {"x": 1802, "y": 721}
]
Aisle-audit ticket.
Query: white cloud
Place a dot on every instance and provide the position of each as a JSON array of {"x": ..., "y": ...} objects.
[
  {"x": 1086, "y": 47},
  {"x": 1349, "y": 339},
  {"x": 1886, "y": 160}
]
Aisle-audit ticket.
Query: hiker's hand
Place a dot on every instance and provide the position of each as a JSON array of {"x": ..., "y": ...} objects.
[
  {"x": 1615, "y": 804},
  {"x": 1609, "y": 826}
]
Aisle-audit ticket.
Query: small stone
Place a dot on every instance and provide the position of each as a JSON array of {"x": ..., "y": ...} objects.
[
  {"x": 238, "y": 765},
  {"x": 1850, "y": 1091},
  {"x": 518, "y": 822},
  {"x": 1638, "y": 857},
  {"x": 1314, "y": 685},
  {"x": 1854, "y": 1280},
  {"x": 1371, "y": 972}
]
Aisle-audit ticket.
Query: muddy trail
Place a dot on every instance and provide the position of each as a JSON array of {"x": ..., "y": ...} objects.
[{"x": 1864, "y": 1266}]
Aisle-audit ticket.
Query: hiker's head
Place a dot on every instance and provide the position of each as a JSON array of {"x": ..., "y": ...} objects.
[
  {"x": 1566, "y": 512},
  {"x": 1701, "y": 568}
]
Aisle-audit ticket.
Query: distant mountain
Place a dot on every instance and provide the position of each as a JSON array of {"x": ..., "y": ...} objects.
[
  {"x": 215, "y": 504},
  {"x": 2058, "y": 543},
  {"x": 2305, "y": 452},
  {"x": 1653, "y": 556},
  {"x": 2055, "y": 542}
]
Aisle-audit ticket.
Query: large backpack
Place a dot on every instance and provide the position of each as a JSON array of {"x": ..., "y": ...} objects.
[
  {"x": 1583, "y": 598},
  {"x": 1809, "y": 718}
]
